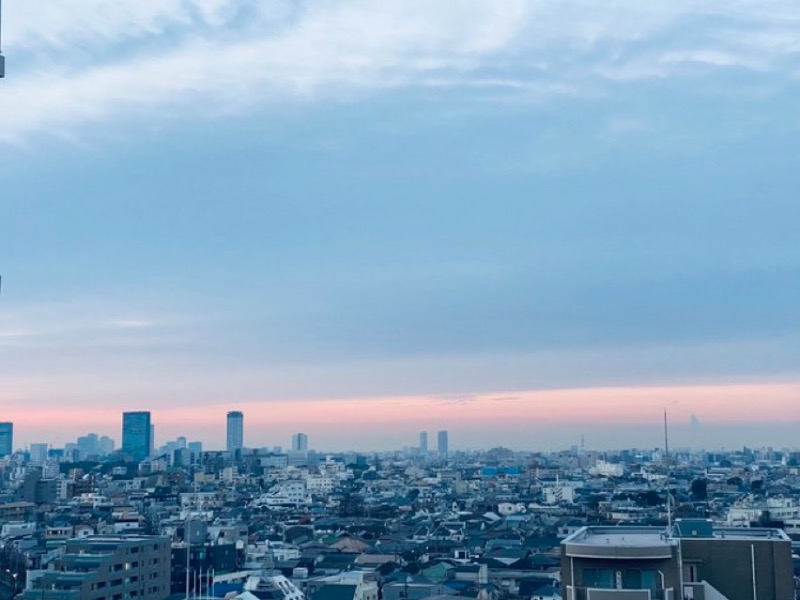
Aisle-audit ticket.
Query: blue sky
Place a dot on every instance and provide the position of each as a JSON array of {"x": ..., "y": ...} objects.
[{"x": 208, "y": 202}]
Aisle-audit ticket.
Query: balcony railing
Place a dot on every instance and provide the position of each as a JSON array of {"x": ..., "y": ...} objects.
[{"x": 584, "y": 593}]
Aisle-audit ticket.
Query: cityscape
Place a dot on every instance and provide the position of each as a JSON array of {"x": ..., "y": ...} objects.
[
  {"x": 417, "y": 300},
  {"x": 95, "y": 521}
]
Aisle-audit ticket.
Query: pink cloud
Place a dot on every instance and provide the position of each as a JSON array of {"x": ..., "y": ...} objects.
[{"x": 272, "y": 422}]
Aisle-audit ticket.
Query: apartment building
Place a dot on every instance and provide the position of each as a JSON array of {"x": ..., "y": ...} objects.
[{"x": 691, "y": 561}]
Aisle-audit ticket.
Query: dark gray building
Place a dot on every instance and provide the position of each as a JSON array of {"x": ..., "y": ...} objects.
[
  {"x": 102, "y": 567},
  {"x": 693, "y": 561},
  {"x": 136, "y": 432}
]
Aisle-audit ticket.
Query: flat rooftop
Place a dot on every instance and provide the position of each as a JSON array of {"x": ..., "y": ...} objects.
[
  {"x": 621, "y": 536},
  {"x": 653, "y": 542},
  {"x": 642, "y": 543}
]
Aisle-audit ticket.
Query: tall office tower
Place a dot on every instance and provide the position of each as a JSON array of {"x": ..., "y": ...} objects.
[
  {"x": 235, "y": 431},
  {"x": 38, "y": 453},
  {"x": 6, "y": 439},
  {"x": 442, "y": 444},
  {"x": 299, "y": 442},
  {"x": 136, "y": 434},
  {"x": 106, "y": 445},
  {"x": 423, "y": 442},
  {"x": 152, "y": 440}
]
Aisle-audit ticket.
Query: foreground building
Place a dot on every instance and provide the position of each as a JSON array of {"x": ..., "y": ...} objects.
[
  {"x": 694, "y": 561},
  {"x": 106, "y": 568}
]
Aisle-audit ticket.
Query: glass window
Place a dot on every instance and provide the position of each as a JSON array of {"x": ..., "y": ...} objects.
[
  {"x": 651, "y": 580},
  {"x": 632, "y": 579},
  {"x": 598, "y": 578}
]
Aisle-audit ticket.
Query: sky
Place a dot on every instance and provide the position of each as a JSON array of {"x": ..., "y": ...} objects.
[{"x": 523, "y": 221}]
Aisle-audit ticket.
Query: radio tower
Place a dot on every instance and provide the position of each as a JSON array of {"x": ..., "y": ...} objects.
[{"x": 666, "y": 461}]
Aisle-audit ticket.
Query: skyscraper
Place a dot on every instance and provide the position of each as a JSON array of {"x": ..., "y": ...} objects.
[
  {"x": 299, "y": 442},
  {"x": 442, "y": 443},
  {"x": 38, "y": 453},
  {"x": 423, "y": 442},
  {"x": 6, "y": 439},
  {"x": 235, "y": 431},
  {"x": 136, "y": 432}
]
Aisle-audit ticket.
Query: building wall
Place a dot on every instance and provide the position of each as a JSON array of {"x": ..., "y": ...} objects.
[
  {"x": 667, "y": 567},
  {"x": 728, "y": 566},
  {"x": 102, "y": 568}
]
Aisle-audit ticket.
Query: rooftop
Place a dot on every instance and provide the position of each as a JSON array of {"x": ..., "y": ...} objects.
[
  {"x": 620, "y": 542},
  {"x": 621, "y": 536}
]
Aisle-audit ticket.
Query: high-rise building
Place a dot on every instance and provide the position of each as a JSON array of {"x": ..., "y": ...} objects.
[
  {"x": 106, "y": 445},
  {"x": 442, "y": 443},
  {"x": 88, "y": 445},
  {"x": 136, "y": 434},
  {"x": 235, "y": 431},
  {"x": 423, "y": 442},
  {"x": 38, "y": 453},
  {"x": 6, "y": 439},
  {"x": 299, "y": 442}
]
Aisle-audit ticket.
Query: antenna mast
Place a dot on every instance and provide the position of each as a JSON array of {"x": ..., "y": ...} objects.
[{"x": 666, "y": 460}]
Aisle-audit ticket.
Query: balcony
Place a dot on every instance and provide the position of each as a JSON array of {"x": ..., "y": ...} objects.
[{"x": 584, "y": 593}]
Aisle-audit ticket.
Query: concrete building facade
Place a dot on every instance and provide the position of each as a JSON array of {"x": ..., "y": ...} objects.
[
  {"x": 692, "y": 561},
  {"x": 106, "y": 568}
]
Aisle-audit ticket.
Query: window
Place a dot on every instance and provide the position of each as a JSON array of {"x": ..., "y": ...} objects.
[
  {"x": 651, "y": 580},
  {"x": 632, "y": 580},
  {"x": 598, "y": 578},
  {"x": 638, "y": 579}
]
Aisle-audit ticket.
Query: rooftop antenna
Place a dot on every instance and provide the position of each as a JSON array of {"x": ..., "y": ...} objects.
[{"x": 666, "y": 460}]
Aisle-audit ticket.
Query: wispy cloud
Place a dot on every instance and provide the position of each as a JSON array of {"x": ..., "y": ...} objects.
[
  {"x": 64, "y": 328},
  {"x": 88, "y": 60}
]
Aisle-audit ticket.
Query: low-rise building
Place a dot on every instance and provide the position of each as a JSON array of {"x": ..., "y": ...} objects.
[
  {"x": 691, "y": 561},
  {"x": 105, "y": 568}
]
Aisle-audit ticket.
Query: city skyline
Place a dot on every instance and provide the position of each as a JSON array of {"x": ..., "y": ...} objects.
[
  {"x": 561, "y": 419},
  {"x": 515, "y": 220}
]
